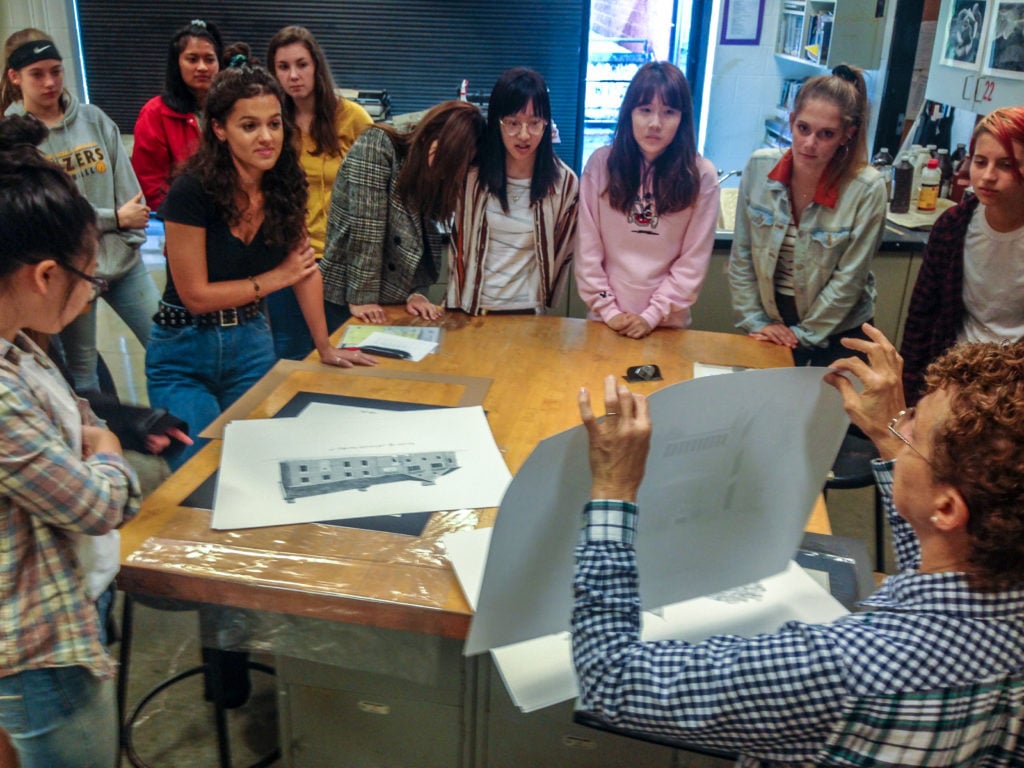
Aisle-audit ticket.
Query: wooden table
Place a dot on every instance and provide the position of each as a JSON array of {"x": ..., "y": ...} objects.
[
  {"x": 526, "y": 371},
  {"x": 367, "y": 627}
]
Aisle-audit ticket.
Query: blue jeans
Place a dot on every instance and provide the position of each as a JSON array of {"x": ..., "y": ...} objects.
[
  {"x": 195, "y": 373},
  {"x": 61, "y": 716},
  {"x": 134, "y": 297}
]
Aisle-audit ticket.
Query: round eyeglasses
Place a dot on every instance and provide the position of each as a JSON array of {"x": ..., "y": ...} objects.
[{"x": 512, "y": 126}]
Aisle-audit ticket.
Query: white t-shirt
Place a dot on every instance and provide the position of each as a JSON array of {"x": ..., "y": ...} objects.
[
  {"x": 511, "y": 279},
  {"x": 993, "y": 282}
]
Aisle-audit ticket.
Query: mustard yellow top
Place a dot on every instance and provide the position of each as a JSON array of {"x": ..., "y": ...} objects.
[{"x": 349, "y": 121}]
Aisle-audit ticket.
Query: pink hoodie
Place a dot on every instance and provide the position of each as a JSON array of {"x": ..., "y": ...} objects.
[{"x": 646, "y": 264}]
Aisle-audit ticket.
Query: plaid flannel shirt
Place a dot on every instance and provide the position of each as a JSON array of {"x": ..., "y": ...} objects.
[
  {"x": 931, "y": 674},
  {"x": 936, "y": 312},
  {"x": 49, "y": 492}
]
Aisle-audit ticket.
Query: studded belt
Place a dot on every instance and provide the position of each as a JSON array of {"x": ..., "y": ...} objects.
[{"x": 177, "y": 317}]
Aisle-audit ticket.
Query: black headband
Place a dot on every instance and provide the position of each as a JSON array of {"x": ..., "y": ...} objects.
[{"x": 31, "y": 52}]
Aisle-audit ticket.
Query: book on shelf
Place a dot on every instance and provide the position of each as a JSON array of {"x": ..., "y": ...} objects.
[
  {"x": 788, "y": 92},
  {"x": 791, "y": 34},
  {"x": 819, "y": 36}
]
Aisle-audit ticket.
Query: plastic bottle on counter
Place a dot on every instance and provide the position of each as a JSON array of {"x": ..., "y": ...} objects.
[
  {"x": 918, "y": 157},
  {"x": 928, "y": 195},
  {"x": 882, "y": 162},
  {"x": 902, "y": 179},
  {"x": 961, "y": 181},
  {"x": 946, "y": 171},
  {"x": 933, "y": 150}
]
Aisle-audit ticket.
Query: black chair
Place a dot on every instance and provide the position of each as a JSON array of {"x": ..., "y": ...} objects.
[
  {"x": 211, "y": 668},
  {"x": 852, "y": 469}
]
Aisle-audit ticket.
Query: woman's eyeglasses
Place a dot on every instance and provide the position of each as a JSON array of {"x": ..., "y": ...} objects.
[
  {"x": 512, "y": 126},
  {"x": 99, "y": 285},
  {"x": 905, "y": 415}
]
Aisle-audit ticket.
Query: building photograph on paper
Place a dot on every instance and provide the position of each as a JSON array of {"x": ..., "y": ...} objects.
[{"x": 326, "y": 465}]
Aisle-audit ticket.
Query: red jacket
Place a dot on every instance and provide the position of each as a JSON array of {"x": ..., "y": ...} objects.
[{"x": 164, "y": 139}]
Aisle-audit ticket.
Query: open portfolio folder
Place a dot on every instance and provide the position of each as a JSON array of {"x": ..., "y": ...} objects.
[{"x": 735, "y": 467}]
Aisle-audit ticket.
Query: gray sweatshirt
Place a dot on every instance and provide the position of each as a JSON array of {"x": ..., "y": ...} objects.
[{"x": 87, "y": 144}]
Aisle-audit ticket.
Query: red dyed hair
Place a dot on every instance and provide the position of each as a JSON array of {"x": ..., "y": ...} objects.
[{"x": 1007, "y": 126}]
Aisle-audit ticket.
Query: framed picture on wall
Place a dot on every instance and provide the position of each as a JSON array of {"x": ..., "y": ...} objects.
[
  {"x": 1004, "y": 54},
  {"x": 965, "y": 33}
]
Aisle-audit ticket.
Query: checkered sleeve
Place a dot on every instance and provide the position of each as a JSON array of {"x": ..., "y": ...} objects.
[
  {"x": 42, "y": 476},
  {"x": 731, "y": 693},
  {"x": 908, "y": 548}
]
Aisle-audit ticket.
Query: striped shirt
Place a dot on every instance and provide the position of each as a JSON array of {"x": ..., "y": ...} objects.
[
  {"x": 49, "y": 493},
  {"x": 932, "y": 673},
  {"x": 784, "y": 266}
]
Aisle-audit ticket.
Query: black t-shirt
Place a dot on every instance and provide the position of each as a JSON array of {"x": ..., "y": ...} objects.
[{"x": 227, "y": 257}]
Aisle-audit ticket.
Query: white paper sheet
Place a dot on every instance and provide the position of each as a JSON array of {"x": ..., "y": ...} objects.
[
  {"x": 735, "y": 466},
  {"x": 539, "y": 673},
  {"x": 416, "y": 348},
  {"x": 467, "y": 552},
  {"x": 249, "y": 487},
  {"x": 700, "y": 370}
]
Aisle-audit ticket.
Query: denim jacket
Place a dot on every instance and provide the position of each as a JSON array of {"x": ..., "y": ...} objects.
[{"x": 833, "y": 285}]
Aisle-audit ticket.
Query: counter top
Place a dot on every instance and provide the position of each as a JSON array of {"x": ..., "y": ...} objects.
[{"x": 896, "y": 239}]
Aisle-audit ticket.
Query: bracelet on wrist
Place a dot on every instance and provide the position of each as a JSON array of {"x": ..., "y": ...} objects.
[{"x": 256, "y": 287}]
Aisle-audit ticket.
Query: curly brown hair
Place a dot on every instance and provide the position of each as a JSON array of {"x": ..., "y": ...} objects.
[
  {"x": 979, "y": 450},
  {"x": 284, "y": 186}
]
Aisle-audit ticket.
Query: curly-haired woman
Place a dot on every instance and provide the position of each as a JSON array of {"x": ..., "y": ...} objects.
[{"x": 235, "y": 224}]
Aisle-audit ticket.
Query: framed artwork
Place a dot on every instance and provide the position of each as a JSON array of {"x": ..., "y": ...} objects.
[
  {"x": 965, "y": 32},
  {"x": 1004, "y": 54},
  {"x": 741, "y": 22}
]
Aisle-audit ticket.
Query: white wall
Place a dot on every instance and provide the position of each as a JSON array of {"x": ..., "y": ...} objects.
[
  {"x": 56, "y": 19},
  {"x": 745, "y": 84}
]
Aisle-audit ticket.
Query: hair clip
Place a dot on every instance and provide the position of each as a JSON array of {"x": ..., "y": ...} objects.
[
  {"x": 197, "y": 23},
  {"x": 845, "y": 73},
  {"x": 238, "y": 60}
]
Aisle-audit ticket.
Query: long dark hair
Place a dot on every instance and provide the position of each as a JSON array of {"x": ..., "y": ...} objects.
[
  {"x": 515, "y": 89},
  {"x": 675, "y": 176},
  {"x": 846, "y": 89},
  {"x": 325, "y": 100},
  {"x": 283, "y": 186},
  {"x": 42, "y": 213},
  {"x": 177, "y": 95}
]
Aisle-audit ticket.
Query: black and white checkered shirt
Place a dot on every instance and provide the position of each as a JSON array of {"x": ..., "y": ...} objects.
[{"x": 932, "y": 673}]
